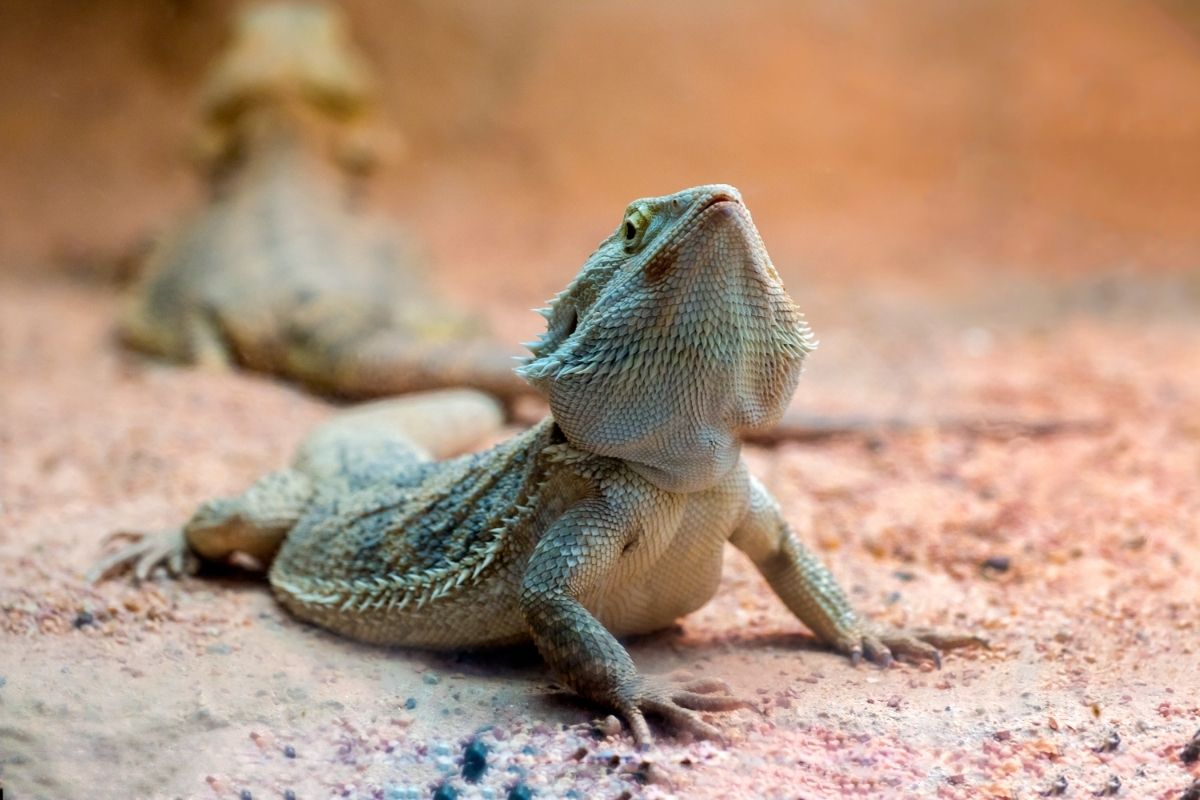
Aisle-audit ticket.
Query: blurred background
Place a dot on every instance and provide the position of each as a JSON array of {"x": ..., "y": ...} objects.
[{"x": 925, "y": 140}]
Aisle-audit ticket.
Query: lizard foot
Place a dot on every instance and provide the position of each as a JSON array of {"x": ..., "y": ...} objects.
[
  {"x": 677, "y": 703},
  {"x": 882, "y": 646},
  {"x": 166, "y": 548}
]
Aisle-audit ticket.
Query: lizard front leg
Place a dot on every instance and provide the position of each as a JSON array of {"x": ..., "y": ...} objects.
[
  {"x": 573, "y": 557},
  {"x": 254, "y": 522},
  {"x": 811, "y": 592}
]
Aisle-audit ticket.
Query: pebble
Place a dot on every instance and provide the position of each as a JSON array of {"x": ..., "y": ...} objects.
[
  {"x": 520, "y": 792},
  {"x": 1189, "y": 755},
  {"x": 445, "y": 792},
  {"x": 410, "y": 703},
  {"x": 1058, "y": 788},
  {"x": 1110, "y": 788},
  {"x": 474, "y": 760},
  {"x": 610, "y": 726},
  {"x": 431, "y": 678},
  {"x": 1110, "y": 743},
  {"x": 84, "y": 618},
  {"x": 245, "y": 795},
  {"x": 289, "y": 751},
  {"x": 288, "y": 794},
  {"x": 997, "y": 563}
]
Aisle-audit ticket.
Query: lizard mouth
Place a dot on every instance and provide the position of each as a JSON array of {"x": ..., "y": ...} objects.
[{"x": 721, "y": 201}]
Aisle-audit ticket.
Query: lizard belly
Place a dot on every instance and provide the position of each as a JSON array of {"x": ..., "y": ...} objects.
[{"x": 650, "y": 593}]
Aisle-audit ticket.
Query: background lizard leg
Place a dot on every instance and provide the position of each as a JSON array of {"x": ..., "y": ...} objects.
[{"x": 392, "y": 363}]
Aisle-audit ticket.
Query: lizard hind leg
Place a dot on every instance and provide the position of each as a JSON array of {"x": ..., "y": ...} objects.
[{"x": 375, "y": 440}]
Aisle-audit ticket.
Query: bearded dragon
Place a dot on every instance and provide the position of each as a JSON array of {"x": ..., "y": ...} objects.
[
  {"x": 280, "y": 273},
  {"x": 608, "y": 518}
]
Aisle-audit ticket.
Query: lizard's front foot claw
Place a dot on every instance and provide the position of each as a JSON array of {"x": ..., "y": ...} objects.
[
  {"x": 882, "y": 646},
  {"x": 145, "y": 553},
  {"x": 678, "y": 704}
]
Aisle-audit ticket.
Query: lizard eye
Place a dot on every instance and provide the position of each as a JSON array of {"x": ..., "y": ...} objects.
[{"x": 633, "y": 229}]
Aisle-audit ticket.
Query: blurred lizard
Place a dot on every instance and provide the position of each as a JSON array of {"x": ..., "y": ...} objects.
[
  {"x": 608, "y": 518},
  {"x": 280, "y": 273}
]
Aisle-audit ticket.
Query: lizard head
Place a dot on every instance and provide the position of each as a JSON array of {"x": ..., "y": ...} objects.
[{"x": 675, "y": 337}]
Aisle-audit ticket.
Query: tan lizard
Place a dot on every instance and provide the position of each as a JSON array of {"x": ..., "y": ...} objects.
[
  {"x": 280, "y": 273},
  {"x": 606, "y": 519}
]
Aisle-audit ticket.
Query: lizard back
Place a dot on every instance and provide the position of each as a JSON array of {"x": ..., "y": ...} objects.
[{"x": 449, "y": 536}]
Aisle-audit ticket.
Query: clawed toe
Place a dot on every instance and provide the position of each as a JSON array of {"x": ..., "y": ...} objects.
[
  {"x": 145, "y": 554},
  {"x": 679, "y": 705},
  {"x": 682, "y": 718},
  {"x": 883, "y": 647}
]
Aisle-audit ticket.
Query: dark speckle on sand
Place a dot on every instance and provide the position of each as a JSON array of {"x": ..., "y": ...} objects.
[{"x": 474, "y": 760}]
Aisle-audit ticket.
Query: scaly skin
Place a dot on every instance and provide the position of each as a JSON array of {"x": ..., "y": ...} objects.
[
  {"x": 279, "y": 273},
  {"x": 608, "y": 518}
]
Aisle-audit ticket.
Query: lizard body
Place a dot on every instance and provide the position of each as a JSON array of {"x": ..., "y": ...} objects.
[
  {"x": 281, "y": 273},
  {"x": 608, "y": 518}
]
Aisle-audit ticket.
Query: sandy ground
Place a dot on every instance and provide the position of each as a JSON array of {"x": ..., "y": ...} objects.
[
  {"x": 198, "y": 688},
  {"x": 985, "y": 210}
]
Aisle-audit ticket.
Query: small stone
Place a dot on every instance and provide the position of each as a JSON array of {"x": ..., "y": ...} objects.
[
  {"x": 1110, "y": 743},
  {"x": 654, "y": 773},
  {"x": 610, "y": 726},
  {"x": 1056, "y": 789},
  {"x": 1189, "y": 755},
  {"x": 410, "y": 703},
  {"x": 245, "y": 795},
  {"x": 84, "y": 618},
  {"x": 520, "y": 792},
  {"x": 289, "y": 751},
  {"x": 288, "y": 794},
  {"x": 997, "y": 563},
  {"x": 1109, "y": 789},
  {"x": 445, "y": 792},
  {"x": 474, "y": 760},
  {"x": 431, "y": 678}
]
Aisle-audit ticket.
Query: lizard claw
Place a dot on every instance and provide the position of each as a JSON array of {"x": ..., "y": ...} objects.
[
  {"x": 144, "y": 554},
  {"x": 882, "y": 646},
  {"x": 678, "y": 703}
]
